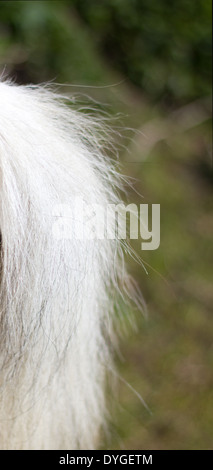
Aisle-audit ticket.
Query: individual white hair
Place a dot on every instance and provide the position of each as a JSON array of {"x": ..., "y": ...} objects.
[{"x": 56, "y": 294}]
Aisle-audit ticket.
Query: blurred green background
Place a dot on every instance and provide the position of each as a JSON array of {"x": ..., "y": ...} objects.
[{"x": 149, "y": 63}]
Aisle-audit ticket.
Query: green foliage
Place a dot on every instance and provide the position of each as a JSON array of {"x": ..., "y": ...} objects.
[
  {"x": 43, "y": 40},
  {"x": 163, "y": 47}
]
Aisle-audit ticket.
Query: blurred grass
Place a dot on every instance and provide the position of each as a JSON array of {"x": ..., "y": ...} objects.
[{"x": 169, "y": 360}]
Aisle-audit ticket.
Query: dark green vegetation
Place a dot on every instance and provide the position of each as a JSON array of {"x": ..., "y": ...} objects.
[
  {"x": 160, "y": 51},
  {"x": 163, "y": 47}
]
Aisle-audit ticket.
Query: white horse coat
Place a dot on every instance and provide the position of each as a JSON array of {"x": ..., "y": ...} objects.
[{"x": 56, "y": 294}]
